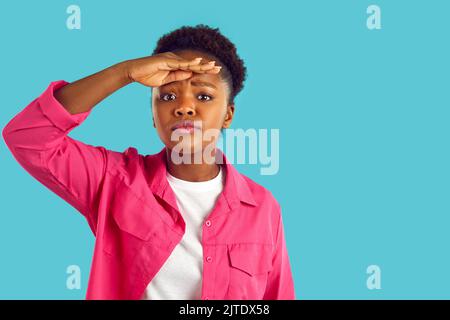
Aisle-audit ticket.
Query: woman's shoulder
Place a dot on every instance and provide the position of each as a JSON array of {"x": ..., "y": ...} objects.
[
  {"x": 261, "y": 194},
  {"x": 128, "y": 164},
  {"x": 125, "y": 158}
]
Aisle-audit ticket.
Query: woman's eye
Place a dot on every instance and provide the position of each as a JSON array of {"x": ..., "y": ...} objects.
[
  {"x": 208, "y": 98},
  {"x": 171, "y": 96},
  {"x": 164, "y": 96}
]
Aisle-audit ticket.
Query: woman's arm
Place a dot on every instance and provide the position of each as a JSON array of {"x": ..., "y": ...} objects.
[
  {"x": 280, "y": 283},
  {"x": 38, "y": 138},
  {"x": 82, "y": 95},
  {"x": 153, "y": 71}
]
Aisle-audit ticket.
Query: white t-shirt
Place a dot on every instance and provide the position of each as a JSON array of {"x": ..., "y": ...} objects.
[{"x": 180, "y": 277}]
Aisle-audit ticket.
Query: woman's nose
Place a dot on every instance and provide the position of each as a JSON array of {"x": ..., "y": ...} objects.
[{"x": 186, "y": 108}]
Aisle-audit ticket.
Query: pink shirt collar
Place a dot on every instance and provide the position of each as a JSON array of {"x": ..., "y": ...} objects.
[{"x": 235, "y": 190}]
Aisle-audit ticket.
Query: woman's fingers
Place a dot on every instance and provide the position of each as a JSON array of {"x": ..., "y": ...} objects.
[
  {"x": 205, "y": 68},
  {"x": 175, "y": 63},
  {"x": 216, "y": 69},
  {"x": 192, "y": 65},
  {"x": 177, "y": 76}
]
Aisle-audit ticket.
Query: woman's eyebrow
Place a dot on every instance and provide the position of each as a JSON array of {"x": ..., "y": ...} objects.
[{"x": 196, "y": 83}]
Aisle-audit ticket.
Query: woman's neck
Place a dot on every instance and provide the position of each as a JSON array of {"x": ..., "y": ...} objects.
[{"x": 194, "y": 172}]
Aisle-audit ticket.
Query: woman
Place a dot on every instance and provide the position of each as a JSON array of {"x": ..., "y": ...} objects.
[{"x": 167, "y": 226}]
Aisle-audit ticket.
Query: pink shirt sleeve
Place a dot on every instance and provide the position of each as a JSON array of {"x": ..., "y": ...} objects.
[
  {"x": 38, "y": 139},
  {"x": 280, "y": 284}
]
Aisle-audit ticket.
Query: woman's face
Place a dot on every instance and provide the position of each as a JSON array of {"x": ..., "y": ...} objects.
[{"x": 202, "y": 98}]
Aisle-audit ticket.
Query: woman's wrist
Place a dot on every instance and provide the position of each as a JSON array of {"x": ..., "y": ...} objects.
[{"x": 124, "y": 70}]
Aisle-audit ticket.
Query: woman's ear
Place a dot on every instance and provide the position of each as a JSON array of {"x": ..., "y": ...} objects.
[{"x": 228, "y": 116}]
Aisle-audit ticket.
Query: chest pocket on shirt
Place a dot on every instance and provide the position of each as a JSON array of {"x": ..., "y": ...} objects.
[{"x": 249, "y": 266}]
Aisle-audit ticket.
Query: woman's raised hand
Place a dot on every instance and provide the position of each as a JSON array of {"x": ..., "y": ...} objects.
[{"x": 159, "y": 69}]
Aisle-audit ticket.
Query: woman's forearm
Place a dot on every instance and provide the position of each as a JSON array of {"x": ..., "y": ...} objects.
[{"x": 84, "y": 94}]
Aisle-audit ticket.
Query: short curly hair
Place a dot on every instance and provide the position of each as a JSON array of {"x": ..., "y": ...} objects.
[{"x": 210, "y": 41}]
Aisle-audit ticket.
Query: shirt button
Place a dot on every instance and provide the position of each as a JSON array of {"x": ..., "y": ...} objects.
[
  {"x": 208, "y": 223},
  {"x": 209, "y": 259}
]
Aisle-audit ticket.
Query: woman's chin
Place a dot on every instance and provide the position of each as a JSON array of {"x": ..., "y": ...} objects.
[{"x": 192, "y": 152}]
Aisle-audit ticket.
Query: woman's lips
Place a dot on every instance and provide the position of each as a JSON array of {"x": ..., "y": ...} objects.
[
  {"x": 186, "y": 126},
  {"x": 185, "y": 129}
]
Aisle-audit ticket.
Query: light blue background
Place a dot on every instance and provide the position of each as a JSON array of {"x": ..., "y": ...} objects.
[{"x": 364, "y": 124}]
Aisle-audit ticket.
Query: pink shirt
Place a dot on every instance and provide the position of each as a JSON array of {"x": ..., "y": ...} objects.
[{"x": 132, "y": 211}]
